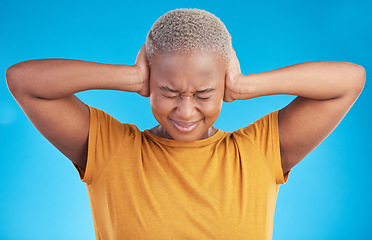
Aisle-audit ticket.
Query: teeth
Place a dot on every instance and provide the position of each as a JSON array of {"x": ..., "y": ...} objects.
[{"x": 184, "y": 126}]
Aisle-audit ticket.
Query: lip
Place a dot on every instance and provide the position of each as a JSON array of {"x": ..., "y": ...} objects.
[{"x": 185, "y": 126}]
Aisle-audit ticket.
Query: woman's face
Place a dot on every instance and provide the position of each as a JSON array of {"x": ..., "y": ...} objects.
[{"x": 186, "y": 93}]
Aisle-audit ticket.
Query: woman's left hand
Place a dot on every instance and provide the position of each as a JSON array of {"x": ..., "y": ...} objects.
[{"x": 232, "y": 75}]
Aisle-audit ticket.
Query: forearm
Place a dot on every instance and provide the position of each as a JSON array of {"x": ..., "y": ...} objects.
[
  {"x": 58, "y": 78},
  {"x": 315, "y": 80}
]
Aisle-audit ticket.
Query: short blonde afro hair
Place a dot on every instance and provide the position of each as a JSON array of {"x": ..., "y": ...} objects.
[{"x": 188, "y": 31}]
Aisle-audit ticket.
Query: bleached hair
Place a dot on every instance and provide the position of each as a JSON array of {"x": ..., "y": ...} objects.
[{"x": 188, "y": 31}]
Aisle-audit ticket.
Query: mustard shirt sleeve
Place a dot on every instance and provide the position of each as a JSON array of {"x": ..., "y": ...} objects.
[
  {"x": 105, "y": 134},
  {"x": 264, "y": 133}
]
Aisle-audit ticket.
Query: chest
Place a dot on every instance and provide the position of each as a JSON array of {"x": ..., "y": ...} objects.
[{"x": 211, "y": 194}]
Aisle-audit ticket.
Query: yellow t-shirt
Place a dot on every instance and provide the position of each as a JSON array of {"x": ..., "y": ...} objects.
[{"x": 142, "y": 186}]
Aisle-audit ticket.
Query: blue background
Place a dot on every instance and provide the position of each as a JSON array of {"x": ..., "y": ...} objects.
[{"x": 328, "y": 195}]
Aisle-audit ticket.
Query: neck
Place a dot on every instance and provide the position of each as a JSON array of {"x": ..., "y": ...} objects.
[{"x": 161, "y": 132}]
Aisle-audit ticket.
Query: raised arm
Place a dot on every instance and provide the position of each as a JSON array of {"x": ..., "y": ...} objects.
[
  {"x": 325, "y": 90},
  {"x": 45, "y": 89}
]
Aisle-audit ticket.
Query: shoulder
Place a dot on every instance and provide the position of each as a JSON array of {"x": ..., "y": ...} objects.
[
  {"x": 266, "y": 126},
  {"x": 104, "y": 122}
]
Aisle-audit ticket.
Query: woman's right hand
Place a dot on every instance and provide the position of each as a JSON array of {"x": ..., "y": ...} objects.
[{"x": 143, "y": 71}]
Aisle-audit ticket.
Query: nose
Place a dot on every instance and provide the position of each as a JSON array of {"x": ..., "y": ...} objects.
[{"x": 186, "y": 108}]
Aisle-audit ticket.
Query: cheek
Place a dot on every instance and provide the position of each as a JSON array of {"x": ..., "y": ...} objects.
[
  {"x": 159, "y": 106},
  {"x": 212, "y": 109},
  {"x": 215, "y": 106}
]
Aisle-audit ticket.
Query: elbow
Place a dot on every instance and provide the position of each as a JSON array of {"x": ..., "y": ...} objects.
[
  {"x": 352, "y": 79},
  {"x": 14, "y": 77},
  {"x": 358, "y": 78},
  {"x": 10, "y": 76}
]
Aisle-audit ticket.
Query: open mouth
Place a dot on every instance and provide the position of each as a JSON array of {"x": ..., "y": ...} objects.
[{"x": 185, "y": 126}]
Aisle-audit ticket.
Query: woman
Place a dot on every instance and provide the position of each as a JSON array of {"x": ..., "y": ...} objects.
[{"x": 184, "y": 179}]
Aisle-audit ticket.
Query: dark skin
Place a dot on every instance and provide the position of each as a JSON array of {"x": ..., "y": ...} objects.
[
  {"x": 45, "y": 91},
  {"x": 186, "y": 95}
]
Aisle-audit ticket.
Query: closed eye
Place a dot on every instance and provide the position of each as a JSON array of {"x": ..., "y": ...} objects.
[
  {"x": 202, "y": 98},
  {"x": 171, "y": 97},
  {"x": 180, "y": 96}
]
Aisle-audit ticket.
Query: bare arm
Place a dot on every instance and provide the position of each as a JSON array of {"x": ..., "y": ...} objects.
[
  {"x": 45, "y": 89},
  {"x": 325, "y": 90}
]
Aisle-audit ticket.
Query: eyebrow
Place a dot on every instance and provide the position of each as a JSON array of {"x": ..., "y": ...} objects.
[{"x": 164, "y": 88}]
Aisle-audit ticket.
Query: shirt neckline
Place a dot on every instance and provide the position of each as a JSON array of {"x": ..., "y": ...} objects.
[{"x": 174, "y": 143}]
